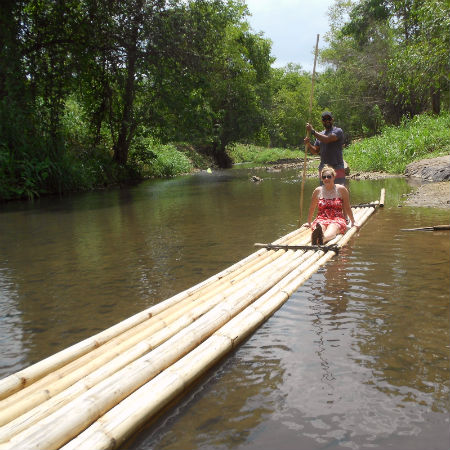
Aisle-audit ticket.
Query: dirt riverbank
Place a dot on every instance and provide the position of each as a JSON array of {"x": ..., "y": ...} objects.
[
  {"x": 433, "y": 182},
  {"x": 435, "y": 195}
]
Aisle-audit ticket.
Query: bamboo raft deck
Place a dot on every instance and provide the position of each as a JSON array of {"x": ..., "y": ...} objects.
[{"x": 97, "y": 393}]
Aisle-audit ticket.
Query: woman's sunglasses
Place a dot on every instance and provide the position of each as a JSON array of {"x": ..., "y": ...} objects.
[
  {"x": 327, "y": 176},
  {"x": 326, "y": 119}
]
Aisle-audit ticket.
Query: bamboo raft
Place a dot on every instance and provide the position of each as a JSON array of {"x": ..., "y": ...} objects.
[{"x": 97, "y": 393}]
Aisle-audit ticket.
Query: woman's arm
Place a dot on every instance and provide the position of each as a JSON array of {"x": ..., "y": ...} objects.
[{"x": 312, "y": 206}]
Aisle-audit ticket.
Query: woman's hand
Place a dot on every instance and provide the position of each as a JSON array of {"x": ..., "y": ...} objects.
[
  {"x": 354, "y": 224},
  {"x": 307, "y": 225}
]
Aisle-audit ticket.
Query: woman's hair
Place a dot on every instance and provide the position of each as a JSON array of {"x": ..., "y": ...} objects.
[{"x": 327, "y": 168}]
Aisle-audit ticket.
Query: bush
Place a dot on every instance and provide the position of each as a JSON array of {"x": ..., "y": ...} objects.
[
  {"x": 261, "y": 155},
  {"x": 152, "y": 159},
  {"x": 424, "y": 136}
]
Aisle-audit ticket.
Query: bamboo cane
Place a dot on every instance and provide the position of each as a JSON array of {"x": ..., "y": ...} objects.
[
  {"x": 113, "y": 428},
  {"x": 250, "y": 289},
  {"x": 57, "y": 387},
  {"x": 433, "y": 228},
  {"x": 46, "y": 391},
  {"x": 55, "y": 383},
  {"x": 148, "y": 400},
  {"x": 383, "y": 192},
  {"x": 206, "y": 354},
  {"x": 27, "y": 376},
  {"x": 307, "y": 133}
]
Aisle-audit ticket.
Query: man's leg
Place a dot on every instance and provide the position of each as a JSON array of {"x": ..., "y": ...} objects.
[{"x": 340, "y": 176}]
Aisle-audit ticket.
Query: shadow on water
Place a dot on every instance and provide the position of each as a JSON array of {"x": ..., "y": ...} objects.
[{"x": 357, "y": 358}]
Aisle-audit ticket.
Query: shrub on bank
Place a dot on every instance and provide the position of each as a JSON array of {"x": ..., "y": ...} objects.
[
  {"x": 424, "y": 136},
  {"x": 240, "y": 153},
  {"x": 151, "y": 159}
]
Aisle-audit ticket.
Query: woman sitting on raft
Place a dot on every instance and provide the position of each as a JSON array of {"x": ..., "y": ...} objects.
[{"x": 332, "y": 201}]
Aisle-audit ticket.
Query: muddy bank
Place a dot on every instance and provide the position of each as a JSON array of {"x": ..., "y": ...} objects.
[
  {"x": 435, "y": 195},
  {"x": 432, "y": 178}
]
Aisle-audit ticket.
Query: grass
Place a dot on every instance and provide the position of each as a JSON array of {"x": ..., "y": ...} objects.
[
  {"x": 150, "y": 159},
  {"x": 424, "y": 136},
  {"x": 240, "y": 153}
]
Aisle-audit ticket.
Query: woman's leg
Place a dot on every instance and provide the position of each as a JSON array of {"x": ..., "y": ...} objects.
[{"x": 330, "y": 232}]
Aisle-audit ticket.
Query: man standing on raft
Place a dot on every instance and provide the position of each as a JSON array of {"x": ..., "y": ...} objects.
[{"x": 328, "y": 144}]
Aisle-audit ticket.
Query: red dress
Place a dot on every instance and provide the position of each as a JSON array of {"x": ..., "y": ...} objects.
[{"x": 331, "y": 211}]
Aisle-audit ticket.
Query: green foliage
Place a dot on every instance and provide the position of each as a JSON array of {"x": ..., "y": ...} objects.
[
  {"x": 424, "y": 136},
  {"x": 388, "y": 54},
  {"x": 262, "y": 137},
  {"x": 420, "y": 66},
  {"x": 90, "y": 91},
  {"x": 152, "y": 159},
  {"x": 289, "y": 109},
  {"x": 80, "y": 80},
  {"x": 196, "y": 155},
  {"x": 238, "y": 89},
  {"x": 240, "y": 153}
]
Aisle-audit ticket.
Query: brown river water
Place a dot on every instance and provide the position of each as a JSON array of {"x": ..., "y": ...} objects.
[{"x": 358, "y": 358}]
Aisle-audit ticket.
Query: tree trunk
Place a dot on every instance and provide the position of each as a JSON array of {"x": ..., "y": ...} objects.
[
  {"x": 127, "y": 124},
  {"x": 436, "y": 100}
]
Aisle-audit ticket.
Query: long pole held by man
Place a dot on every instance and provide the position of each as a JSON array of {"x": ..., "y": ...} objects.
[{"x": 309, "y": 121}]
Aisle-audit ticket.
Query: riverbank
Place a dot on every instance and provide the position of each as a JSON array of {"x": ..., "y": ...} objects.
[
  {"x": 436, "y": 195},
  {"x": 432, "y": 178}
]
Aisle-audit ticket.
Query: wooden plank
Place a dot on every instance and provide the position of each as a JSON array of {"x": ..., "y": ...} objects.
[{"x": 432, "y": 228}]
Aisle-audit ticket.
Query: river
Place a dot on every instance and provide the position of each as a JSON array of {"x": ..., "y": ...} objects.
[{"x": 357, "y": 358}]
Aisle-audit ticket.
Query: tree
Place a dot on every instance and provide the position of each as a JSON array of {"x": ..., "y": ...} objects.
[
  {"x": 220, "y": 98},
  {"x": 289, "y": 111},
  {"x": 386, "y": 59},
  {"x": 239, "y": 88},
  {"x": 420, "y": 65}
]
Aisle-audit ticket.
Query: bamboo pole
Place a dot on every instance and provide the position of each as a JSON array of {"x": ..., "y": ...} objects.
[
  {"x": 19, "y": 404},
  {"x": 307, "y": 133},
  {"x": 245, "y": 295},
  {"x": 58, "y": 386},
  {"x": 308, "y": 262},
  {"x": 433, "y": 228},
  {"x": 120, "y": 422},
  {"x": 59, "y": 381},
  {"x": 29, "y": 375},
  {"x": 148, "y": 400},
  {"x": 383, "y": 193},
  {"x": 208, "y": 355}
]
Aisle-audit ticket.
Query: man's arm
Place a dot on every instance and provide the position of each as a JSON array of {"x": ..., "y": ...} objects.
[
  {"x": 314, "y": 149},
  {"x": 326, "y": 139}
]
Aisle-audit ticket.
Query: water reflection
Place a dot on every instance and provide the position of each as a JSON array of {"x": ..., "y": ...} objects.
[{"x": 11, "y": 327}]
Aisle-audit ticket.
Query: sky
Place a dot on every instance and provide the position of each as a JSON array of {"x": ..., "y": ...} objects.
[{"x": 292, "y": 26}]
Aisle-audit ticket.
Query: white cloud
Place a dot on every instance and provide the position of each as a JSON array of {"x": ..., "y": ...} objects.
[{"x": 292, "y": 26}]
